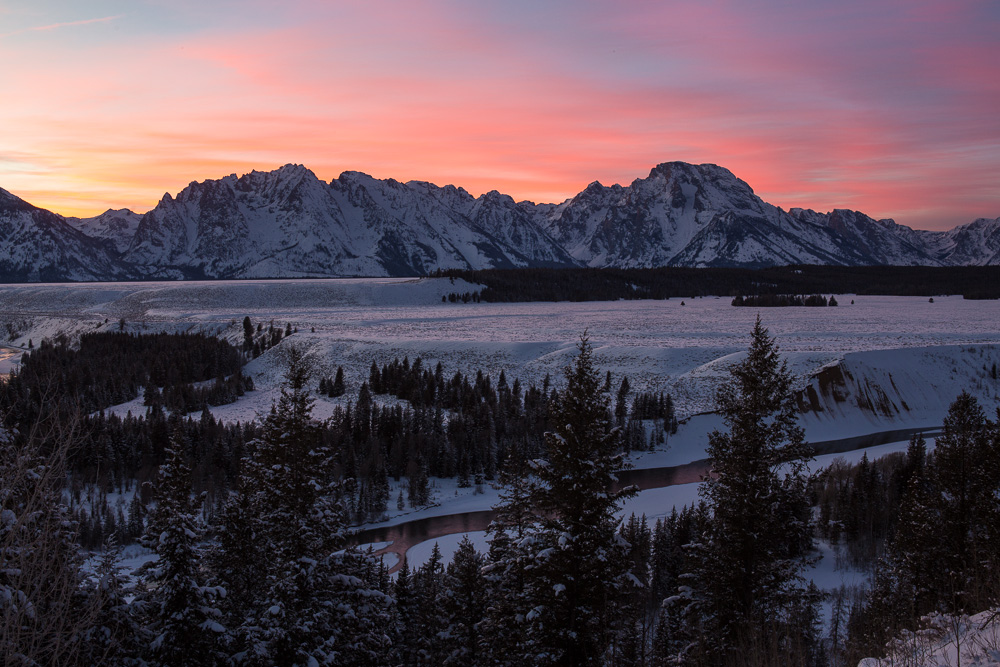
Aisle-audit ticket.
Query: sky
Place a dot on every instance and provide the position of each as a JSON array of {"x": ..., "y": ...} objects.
[{"x": 890, "y": 107}]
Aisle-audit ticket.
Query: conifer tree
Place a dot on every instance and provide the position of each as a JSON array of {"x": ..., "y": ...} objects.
[
  {"x": 503, "y": 629},
  {"x": 311, "y": 601},
  {"x": 337, "y": 388},
  {"x": 575, "y": 565},
  {"x": 431, "y": 623},
  {"x": 117, "y": 636},
  {"x": 407, "y": 611},
  {"x": 184, "y": 618},
  {"x": 746, "y": 591},
  {"x": 464, "y": 603},
  {"x": 968, "y": 482}
]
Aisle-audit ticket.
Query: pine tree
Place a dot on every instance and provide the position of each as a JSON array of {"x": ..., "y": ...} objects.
[
  {"x": 247, "y": 334},
  {"x": 184, "y": 618},
  {"x": 464, "y": 603},
  {"x": 311, "y": 600},
  {"x": 746, "y": 589},
  {"x": 967, "y": 481},
  {"x": 337, "y": 388},
  {"x": 621, "y": 404},
  {"x": 431, "y": 621},
  {"x": 406, "y": 626},
  {"x": 575, "y": 566},
  {"x": 634, "y": 622}
]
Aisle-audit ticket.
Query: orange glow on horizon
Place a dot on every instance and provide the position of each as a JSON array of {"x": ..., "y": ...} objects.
[{"x": 884, "y": 109}]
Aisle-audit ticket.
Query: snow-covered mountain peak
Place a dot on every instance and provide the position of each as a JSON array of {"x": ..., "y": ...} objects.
[{"x": 287, "y": 222}]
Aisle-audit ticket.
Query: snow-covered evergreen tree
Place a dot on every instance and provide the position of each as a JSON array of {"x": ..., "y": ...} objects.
[
  {"x": 575, "y": 565},
  {"x": 502, "y": 630},
  {"x": 117, "y": 635},
  {"x": 745, "y": 594},
  {"x": 967, "y": 476},
  {"x": 464, "y": 602},
  {"x": 431, "y": 623},
  {"x": 184, "y": 618},
  {"x": 309, "y": 602}
]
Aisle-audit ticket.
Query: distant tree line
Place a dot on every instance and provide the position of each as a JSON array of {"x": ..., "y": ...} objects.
[
  {"x": 783, "y": 300},
  {"x": 540, "y": 284}
]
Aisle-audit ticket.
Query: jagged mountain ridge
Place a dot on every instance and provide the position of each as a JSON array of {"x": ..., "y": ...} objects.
[
  {"x": 40, "y": 246},
  {"x": 289, "y": 223}
]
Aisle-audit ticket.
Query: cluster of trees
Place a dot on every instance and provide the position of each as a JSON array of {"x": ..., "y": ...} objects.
[
  {"x": 464, "y": 297},
  {"x": 259, "y": 340},
  {"x": 190, "y": 397},
  {"x": 110, "y": 367},
  {"x": 944, "y": 553},
  {"x": 780, "y": 300},
  {"x": 562, "y": 582},
  {"x": 540, "y": 284},
  {"x": 264, "y": 576},
  {"x": 460, "y": 426},
  {"x": 333, "y": 388}
]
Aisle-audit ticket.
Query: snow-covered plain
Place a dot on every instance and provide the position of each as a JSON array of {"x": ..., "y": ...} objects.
[{"x": 658, "y": 344}]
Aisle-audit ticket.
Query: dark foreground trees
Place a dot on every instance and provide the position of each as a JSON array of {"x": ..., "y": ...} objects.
[
  {"x": 945, "y": 553},
  {"x": 297, "y": 596},
  {"x": 560, "y": 569},
  {"x": 744, "y": 603}
]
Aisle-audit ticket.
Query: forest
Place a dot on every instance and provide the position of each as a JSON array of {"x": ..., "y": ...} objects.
[
  {"x": 251, "y": 522},
  {"x": 538, "y": 284}
]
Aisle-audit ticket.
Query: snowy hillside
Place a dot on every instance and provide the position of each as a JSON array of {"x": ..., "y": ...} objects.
[
  {"x": 899, "y": 360},
  {"x": 946, "y": 640}
]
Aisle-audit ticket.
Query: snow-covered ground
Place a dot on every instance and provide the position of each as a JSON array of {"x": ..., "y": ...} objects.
[
  {"x": 947, "y": 641},
  {"x": 684, "y": 349},
  {"x": 874, "y": 363}
]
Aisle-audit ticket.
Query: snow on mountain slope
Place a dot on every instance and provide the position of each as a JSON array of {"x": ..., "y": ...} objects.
[
  {"x": 649, "y": 221},
  {"x": 117, "y": 226},
  {"x": 702, "y": 215},
  {"x": 263, "y": 224},
  {"x": 288, "y": 223},
  {"x": 977, "y": 243},
  {"x": 881, "y": 241},
  {"x": 37, "y": 245}
]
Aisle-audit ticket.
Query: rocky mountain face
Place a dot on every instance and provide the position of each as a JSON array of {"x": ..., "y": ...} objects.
[
  {"x": 288, "y": 223},
  {"x": 39, "y": 246},
  {"x": 116, "y": 226}
]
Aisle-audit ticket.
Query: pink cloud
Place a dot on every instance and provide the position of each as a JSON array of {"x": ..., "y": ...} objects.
[{"x": 816, "y": 107}]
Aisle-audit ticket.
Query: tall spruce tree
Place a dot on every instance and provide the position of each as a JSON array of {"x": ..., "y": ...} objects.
[
  {"x": 184, "y": 617},
  {"x": 746, "y": 593},
  {"x": 575, "y": 567},
  {"x": 464, "y": 602},
  {"x": 311, "y": 601},
  {"x": 966, "y": 476}
]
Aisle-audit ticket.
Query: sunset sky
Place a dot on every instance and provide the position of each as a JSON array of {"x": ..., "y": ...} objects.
[{"x": 887, "y": 107}]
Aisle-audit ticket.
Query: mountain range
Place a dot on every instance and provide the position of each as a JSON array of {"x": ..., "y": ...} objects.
[{"x": 289, "y": 223}]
